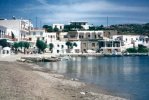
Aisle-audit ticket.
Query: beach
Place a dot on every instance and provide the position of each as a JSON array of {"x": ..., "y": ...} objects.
[{"x": 28, "y": 81}]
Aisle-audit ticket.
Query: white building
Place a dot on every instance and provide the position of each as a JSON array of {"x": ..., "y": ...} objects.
[
  {"x": 2, "y": 31},
  {"x": 63, "y": 36},
  {"x": 7, "y": 33},
  {"x": 6, "y": 51},
  {"x": 59, "y": 26},
  {"x": 20, "y": 26},
  {"x": 60, "y": 47},
  {"x": 110, "y": 46},
  {"x": 130, "y": 41},
  {"x": 85, "y": 35},
  {"x": 50, "y": 37},
  {"x": 35, "y": 34}
]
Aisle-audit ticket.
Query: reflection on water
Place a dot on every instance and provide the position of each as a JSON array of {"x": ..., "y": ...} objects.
[{"x": 123, "y": 75}]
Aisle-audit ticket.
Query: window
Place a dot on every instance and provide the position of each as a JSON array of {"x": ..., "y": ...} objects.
[
  {"x": 34, "y": 33},
  {"x": 76, "y": 50},
  {"x": 41, "y": 33},
  {"x": 93, "y": 44},
  {"x": 62, "y": 46},
  {"x": 84, "y": 44},
  {"x": 126, "y": 39},
  {"x": 79, "y": 36},
  {"x": 89, "y": 35},
  {"x": 60, "y": 27},
  {"x": 58, "y": 45},
  {"x": 30, "y": 39},
  {"x": 95, "y": 36},
  {"x": 42, "y": 38},
  {"x": 57, "y": 51}
]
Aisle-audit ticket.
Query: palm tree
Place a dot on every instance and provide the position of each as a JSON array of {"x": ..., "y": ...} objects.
[
  {"x": 69, "y": 46},
  {"x": 51, "y": 47},
  {"x": 75, "y": 44}
]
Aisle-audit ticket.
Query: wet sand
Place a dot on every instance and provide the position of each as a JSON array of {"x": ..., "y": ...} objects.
[{"x": 23, "y": 81}]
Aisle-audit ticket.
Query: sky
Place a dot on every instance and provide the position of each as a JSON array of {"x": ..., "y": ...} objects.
[{"x": 63, "y": 11}]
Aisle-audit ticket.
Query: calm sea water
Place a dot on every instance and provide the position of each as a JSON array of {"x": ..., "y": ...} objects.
[{"x": 119, "y": 75}]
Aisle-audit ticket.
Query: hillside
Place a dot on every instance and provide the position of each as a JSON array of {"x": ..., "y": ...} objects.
[{"x": 142, "y": 29}]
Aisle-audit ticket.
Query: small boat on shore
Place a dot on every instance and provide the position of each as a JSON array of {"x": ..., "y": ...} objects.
[
  {"x": 68, "y": 57},
  {"x": 52, "y": 59}
]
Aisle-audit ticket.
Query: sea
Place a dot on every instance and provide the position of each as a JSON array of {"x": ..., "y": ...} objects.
[{"x": 125, "y": 76}]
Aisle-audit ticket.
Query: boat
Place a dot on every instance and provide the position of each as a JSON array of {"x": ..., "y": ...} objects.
[
  {"x": 65, "y": 57},
  {"x": 52, "y": 59}
]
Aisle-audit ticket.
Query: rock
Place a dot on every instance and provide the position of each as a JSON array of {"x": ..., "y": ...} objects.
[
  {"x": 74, "y": 79},
  {"x": 21, "y": 60},
  {"x": 83, "y": 93}
]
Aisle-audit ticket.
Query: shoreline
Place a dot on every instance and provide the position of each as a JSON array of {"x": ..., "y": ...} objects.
[{"x": 73, "y": 89}]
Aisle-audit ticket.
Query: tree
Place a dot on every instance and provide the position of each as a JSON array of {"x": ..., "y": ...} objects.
[
  {"x": 142, "y": 49},
  {"x": 12, "y": 36},
  {"x": 92, "y": 28},
  {"x": 48, "y": 28},
  {"x": 4, "y": 43},
  {"x": 21, "y": 44},
  {"x": 56, "y": 29},
  {"x": 16, "y": 46},
  {"x": 75, "y": 44},
  {"x": 51, "y": 47},
  {"x": 26, "y": 46},
  {"x": 69, "y": 45},
  {"x": 131, "y": 50},
  {"x": 72, "y": 27},
  {"x": 41, "y": 45}
]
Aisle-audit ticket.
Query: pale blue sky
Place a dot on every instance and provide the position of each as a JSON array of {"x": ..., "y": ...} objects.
[{"x": 64, "y": 11}]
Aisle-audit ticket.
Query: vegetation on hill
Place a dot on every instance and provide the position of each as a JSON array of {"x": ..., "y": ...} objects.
[{"x": 141, "y": 29}]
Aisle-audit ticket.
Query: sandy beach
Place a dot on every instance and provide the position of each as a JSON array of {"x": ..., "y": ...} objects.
[{"x": 26, "y": 81}]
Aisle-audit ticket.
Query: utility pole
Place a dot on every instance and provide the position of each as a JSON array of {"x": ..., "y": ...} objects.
[
  {"x": 36, "y": 21},
  {"x": 29, "y": 26},
  {"x": 40, "y": 24},
  {"x": 107, "y": 21}
]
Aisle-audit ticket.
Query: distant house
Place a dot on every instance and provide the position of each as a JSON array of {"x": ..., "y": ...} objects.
[
  {"x": 110, "y": 46},
  {"x": 58, "y": 26},
  {"x": 130, "y": 41},
  {"x": 88, "y": 39}
]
